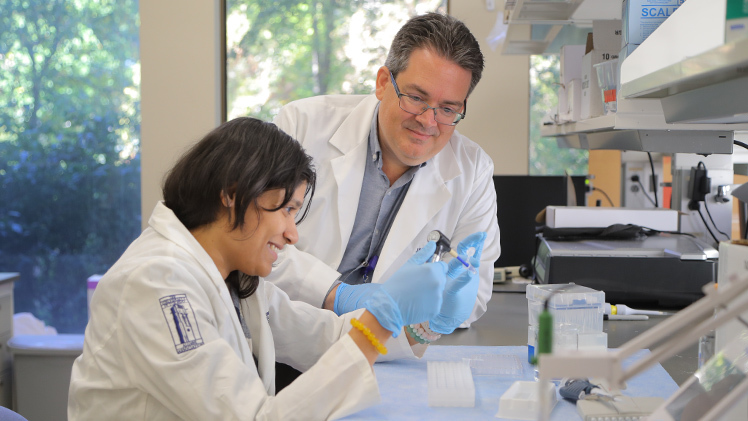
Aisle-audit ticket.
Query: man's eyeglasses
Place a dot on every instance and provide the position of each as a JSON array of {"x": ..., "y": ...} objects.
[{"x": 415, "y": 105}]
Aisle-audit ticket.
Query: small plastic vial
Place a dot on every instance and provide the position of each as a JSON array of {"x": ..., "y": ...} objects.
[{"x": 706, "y": 348}]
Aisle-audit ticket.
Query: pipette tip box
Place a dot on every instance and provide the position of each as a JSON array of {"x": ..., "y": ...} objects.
[
  {"x": 451, "y": 384},
  {"x": 496, "y": 365}
]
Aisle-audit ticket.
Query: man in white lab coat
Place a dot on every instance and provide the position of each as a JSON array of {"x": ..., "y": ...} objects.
[{"x": 391, "y": 168}]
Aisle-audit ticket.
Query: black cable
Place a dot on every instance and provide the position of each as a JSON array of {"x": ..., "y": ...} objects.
[
  {"x": 654, "y": 178},
  {"x": 712, "y": 219},
  {"x": 645, "y": 193},
  {"x": 687, "y": 234},
  {"x": 739, "y": 143},
  {"x": 533, "y": 261},
  {"x": 604, "y": 194},
  {"x": 701, "y": 164},
  {"x": 707, "y": 226}
]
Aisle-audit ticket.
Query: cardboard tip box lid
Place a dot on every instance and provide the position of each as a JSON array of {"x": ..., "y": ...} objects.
[{"x": 600, "y": 217}]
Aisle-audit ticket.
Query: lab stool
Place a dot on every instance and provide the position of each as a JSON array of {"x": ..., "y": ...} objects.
[{"x": 41, "y": 374}]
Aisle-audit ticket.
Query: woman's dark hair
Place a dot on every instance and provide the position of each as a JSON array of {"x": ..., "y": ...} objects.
[{"x": 239, "y": 160}]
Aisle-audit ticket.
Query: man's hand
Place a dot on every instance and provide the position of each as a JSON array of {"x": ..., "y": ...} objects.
[{"x": 461, "y": 290}]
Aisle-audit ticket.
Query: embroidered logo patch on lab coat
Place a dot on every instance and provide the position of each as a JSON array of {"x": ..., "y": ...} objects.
[{"x": 181, "y": 321}]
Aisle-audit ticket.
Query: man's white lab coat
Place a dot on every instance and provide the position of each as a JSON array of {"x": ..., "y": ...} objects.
[
  {"x": 164, "y": 342},
  {"x": 454, "y": 193}
]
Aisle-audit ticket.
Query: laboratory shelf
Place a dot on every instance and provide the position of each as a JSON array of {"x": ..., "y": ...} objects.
[
  {"x": 536, "y": 11},
  {"x": 703, "y": 88},
  {"x": 541, "y": 27},
  {"x": 681, "y": 91},
  {"x": 721, "y": 64},
  {"x": 639, "y": 125}
]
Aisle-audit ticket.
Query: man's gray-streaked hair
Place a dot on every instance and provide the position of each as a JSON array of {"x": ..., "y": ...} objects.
[{"x": 444, "y": 35}]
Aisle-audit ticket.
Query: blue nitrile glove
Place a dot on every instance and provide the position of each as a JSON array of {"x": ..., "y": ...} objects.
[
  {"x": 352, "y": 297},
  {"x": 412, "y": 294},
  {"x": 461, "y": 290}
]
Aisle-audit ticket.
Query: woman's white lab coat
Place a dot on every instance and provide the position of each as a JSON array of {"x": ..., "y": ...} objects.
[
  {"x": 164, "y": 342},
  {"x": 453, "y": 193}
]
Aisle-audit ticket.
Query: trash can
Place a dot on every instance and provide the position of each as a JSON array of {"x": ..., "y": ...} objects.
[{"x": 41, "y": 374}]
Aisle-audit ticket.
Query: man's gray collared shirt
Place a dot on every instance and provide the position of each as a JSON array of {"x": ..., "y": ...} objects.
[{"x": 377, "y": 208}]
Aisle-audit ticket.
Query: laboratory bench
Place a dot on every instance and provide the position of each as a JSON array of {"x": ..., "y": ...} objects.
[
  {"x": 502, "y": 331},
  {"x": 506, "y": 319}
]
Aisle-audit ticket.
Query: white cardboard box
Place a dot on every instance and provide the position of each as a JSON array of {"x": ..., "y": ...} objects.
[
  {"x": 599, "y": 217},
  {"x": 570, "y": 63},
  {"x": 570, "y": 69},
  {"x": 606, "y": 35},
  {"x": 736, "y": 20},
  {"x": 572, "y": 102}
]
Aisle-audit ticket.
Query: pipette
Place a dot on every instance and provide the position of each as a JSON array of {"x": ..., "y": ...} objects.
[
  {"x": 620, "y": 309},
  {"x": 469, "y": 267}
]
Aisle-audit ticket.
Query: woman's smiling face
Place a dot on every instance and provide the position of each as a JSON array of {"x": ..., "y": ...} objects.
[{"x": 253, "y": 248}]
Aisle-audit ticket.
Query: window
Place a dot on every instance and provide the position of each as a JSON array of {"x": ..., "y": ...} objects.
[
  {"x": 546, "y": 158},
  {"x": 69, "y": 149},
  {"x": 278, "y": 52}
]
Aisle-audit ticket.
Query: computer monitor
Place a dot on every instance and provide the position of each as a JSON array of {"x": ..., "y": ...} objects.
[{"x": 519, "y": 198}]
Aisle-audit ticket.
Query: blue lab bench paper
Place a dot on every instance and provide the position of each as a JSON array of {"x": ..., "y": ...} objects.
[{"x": 403, "y": 385}]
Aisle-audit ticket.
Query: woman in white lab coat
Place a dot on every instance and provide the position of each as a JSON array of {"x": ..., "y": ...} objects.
[{"x": 181, "y": 326}]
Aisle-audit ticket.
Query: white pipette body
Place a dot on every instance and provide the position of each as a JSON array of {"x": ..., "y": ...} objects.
[{"x": 622, "y": 309}]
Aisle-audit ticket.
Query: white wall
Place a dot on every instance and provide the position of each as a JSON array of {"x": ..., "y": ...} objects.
[
  {"x": 180, "y": 85},
  {"x": 180, "y": 88},
  {"x": 499, "y": 108}
]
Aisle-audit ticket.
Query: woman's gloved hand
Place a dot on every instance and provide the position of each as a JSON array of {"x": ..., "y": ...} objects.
[
  {"x": 412, "y": 294},
  {"x": 461, "y": 289},
  {"x": 352, "y": 297}
]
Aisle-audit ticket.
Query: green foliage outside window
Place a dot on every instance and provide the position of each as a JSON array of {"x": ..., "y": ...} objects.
[
  {"x": 69, "y": 148},
  {"x": 282, "y": 50},
  {"x": 546, "y": 158}
]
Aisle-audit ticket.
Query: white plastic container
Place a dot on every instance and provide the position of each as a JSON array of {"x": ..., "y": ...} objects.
[
  {"x": 41, "y": 372},
  {"x": 522, "y": 400},
  {"x": 577, "y": 316},
  {"x": 573, "y": 307}
]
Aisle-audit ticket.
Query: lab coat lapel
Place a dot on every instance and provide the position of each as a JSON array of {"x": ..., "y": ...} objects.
[
  {"x": 256, "y": 306},
  {"x": 352, "y": 140},
  {"x": 427, "y": 195}
]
